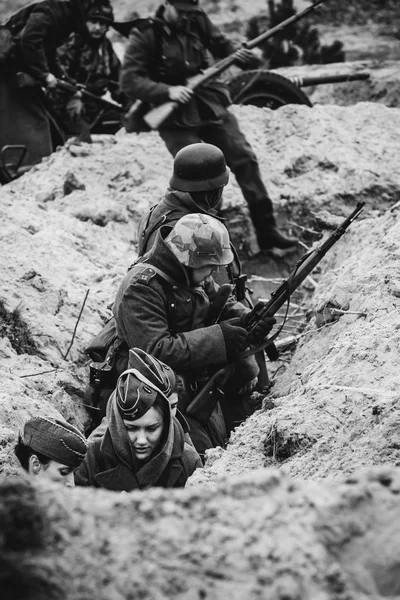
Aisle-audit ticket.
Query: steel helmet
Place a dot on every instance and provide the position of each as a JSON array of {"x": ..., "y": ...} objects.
[
  {"x": 199, "y": 168},
  {"x": 198, "y": 240}
]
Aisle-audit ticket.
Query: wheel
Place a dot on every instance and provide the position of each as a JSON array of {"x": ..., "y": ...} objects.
[{"x": 263, "y": 88}]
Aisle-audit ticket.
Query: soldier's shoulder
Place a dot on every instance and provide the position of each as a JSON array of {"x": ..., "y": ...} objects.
[
  {"x": 142, "y": 274},
  {"x": 147, "y": 24}
]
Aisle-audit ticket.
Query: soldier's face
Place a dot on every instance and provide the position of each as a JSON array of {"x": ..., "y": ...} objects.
[
  {"x": 52, "y": 471},
  {"x": 200, "y": 274},
  {"x": 96, "y": 29},
  {"x": 145, "y": 433}
]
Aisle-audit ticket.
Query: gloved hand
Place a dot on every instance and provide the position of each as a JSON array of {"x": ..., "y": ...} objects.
[
  {"x": 263, "y": 327},
  {"x": 246, "y": 58},
  {"x": 234, "y": 336}
]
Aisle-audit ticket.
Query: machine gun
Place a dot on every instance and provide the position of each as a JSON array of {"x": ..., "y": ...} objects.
[
  {"x": 156, "y": 117},
  {"x": 278, "y": 298}
]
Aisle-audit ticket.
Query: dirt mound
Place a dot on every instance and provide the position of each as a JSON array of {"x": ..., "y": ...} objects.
[{"x": 264, "y": 536}]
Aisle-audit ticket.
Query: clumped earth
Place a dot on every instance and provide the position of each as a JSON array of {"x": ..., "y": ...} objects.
[
  {"x": 333, "y": 410},
  {"x": 303, "y": 503}
]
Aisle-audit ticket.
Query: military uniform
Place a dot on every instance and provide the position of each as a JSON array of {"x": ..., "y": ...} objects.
[
  {"x": 142, "y": 320},
  {"x": 94, "y": 64},
  {"x": 158, "y": 57},
  {"x": 38, "y": 30}
]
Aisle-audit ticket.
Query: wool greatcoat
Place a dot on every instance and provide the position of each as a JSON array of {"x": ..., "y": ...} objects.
[
  {"x": 110, "y": 463},
  {"x": 142, "y": 320},
  {"x": 38, "y": 29}
]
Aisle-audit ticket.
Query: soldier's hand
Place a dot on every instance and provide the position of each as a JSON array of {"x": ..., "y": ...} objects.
[
  {"x": 262, "y": 327},
  {"x": 246, "y": 58},
  {"x": 180, "y": 93},
  {"x": 51, "y": 81},
  {"x": 235, "y": 337}
]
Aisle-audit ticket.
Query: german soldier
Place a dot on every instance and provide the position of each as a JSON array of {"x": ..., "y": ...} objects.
[
  {"x": 167, "y": 315},
  {"x": 88, "y": 58},
  {"x": 162, "y": 53}
]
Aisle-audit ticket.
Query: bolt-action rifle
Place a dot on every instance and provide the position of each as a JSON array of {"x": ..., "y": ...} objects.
[
  {"x": 76, "y": 88},
  {"x": 278, "y": 298},
  {"x": 25, "y": 80},
  {"x": 156, "y": 117}
]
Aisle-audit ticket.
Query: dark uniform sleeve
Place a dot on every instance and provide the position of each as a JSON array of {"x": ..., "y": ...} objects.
[
  {"x": 142, "y": 321},
  {"x": 32, "y": 47},
  {"x": 218, "y": 43},
  {"x": 136, "y": 80}
]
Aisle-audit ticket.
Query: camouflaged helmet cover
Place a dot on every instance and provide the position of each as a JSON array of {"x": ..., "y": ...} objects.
[{"x": 200, "y": 240}]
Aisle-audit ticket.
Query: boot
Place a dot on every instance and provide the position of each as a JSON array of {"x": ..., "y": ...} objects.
[
  {"x": 268, "y": 236},
  {"x": 273, "y": 238}
]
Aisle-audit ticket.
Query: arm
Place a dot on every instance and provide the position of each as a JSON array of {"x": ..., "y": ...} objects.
[
  {"x": 136, "y": 73},
  {"x": 142, "y": 321},
  {"x": 218, "y": 43},
  {"x": 32, "y": 44}
]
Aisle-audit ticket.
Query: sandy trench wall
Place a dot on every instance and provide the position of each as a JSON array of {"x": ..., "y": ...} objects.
[
  {"x": 262, "y": 534},
  {"x": 60, "y": 240}
]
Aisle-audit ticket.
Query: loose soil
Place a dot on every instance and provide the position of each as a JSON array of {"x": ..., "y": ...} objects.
[{"x": 284, "y": 511}]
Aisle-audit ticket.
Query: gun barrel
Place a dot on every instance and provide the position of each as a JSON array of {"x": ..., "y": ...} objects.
[{"x": 324, "y": 79}]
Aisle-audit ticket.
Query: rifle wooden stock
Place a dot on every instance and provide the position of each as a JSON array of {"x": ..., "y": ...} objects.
[
  {"x": 158, "y": 115},
  {"x": 278, "y": 298}
]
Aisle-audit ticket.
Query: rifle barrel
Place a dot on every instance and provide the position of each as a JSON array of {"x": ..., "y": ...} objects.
[
  {"x": 278, "y": 298},
  {"x": 303, "y": 269},
  {"x": 79, "y": 87}
]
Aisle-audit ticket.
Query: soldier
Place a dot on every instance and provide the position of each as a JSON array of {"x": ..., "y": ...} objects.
[
  {"x": 199, "y": 176},
  {"x": 38, "y": 29},
  {"x": 51, "y": 449},
  {"x": 162, "y": 53},
  {"x": 143, "y": 445},
  {"x": 88, "y": 58},
  {"x": 162, "y": 307}
]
